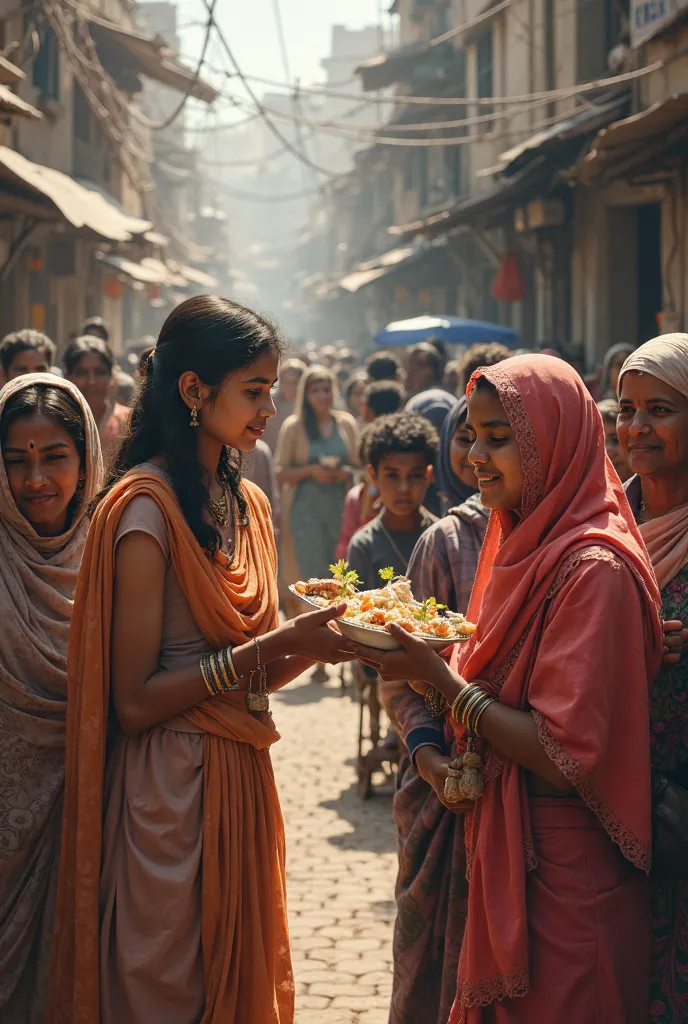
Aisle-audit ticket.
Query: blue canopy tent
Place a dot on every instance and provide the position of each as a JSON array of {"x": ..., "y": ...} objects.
[{"x": 452, "y": 329}]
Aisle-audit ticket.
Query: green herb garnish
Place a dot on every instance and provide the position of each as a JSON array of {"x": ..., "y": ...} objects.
[
  {"x": 347, "y": 579},
  {"x": 427, "y": 608}
]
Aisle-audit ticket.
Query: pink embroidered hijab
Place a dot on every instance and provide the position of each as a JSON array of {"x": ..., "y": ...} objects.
[{"x": 574, "y": 510}]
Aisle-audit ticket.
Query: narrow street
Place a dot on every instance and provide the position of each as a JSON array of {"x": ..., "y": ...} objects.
[{"x": 341, "y": 860}]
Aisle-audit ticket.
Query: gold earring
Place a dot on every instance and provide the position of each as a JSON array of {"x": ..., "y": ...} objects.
[{"x": 194, "y": 418}]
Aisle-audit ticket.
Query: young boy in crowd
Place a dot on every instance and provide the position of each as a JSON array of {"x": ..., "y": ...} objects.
[
  {"x": 399, "y": 451},
  {"x": 26, "y": 351},
  {"x": 381, "y": 398}
]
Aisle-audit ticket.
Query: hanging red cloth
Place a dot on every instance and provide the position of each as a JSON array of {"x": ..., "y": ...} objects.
[{"x": 509, "y": 285}]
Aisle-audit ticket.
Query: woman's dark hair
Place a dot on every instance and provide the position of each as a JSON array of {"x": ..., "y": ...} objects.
[
  {"x": 59, "y": 406},
  {"x": 85, "y": 346},
  {"x": 383, "y": 366},
  {"x": 212, "y": 337},
  {"x": 384, "y": 397},
  {"x": 303, "y": 409}
]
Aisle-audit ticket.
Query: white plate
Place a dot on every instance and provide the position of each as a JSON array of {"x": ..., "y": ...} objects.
[{"x": 373, "y": 636}]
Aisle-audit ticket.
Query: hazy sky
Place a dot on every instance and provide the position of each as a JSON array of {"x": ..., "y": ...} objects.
[{"x": 251, "y": 31}]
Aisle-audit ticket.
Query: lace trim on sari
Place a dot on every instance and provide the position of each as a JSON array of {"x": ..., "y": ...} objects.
[
  {"x": 633, "y": 849},
  {"x": 533, "y": 480},
  {"x": 491, "y": 990},
  {"x": 596, "y": 552}
]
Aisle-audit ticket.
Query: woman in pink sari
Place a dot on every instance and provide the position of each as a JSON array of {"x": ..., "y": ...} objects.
[{"x": 554, "y": 690}]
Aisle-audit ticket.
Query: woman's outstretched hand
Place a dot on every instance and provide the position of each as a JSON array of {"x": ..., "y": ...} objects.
[
  {"x": 314, "y": 636},
  {"x": 415, "y": 662},
  {"x": 675, "y": 639}
]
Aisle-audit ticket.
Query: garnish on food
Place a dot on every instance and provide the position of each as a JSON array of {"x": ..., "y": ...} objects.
[
  {"x": 392, "y": 603},
  {"x": 346, "y": 578}
]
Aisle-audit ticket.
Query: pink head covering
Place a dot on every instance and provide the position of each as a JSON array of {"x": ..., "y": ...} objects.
[{"x": 592, "y": 714}]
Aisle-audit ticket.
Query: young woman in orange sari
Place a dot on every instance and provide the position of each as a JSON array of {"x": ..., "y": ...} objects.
[
  {"x": 553, "y": 691},
  {"x": 171, "y": 899}
]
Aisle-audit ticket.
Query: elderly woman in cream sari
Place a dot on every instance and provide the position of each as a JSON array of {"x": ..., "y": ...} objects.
[{"x": 50, "y": 470}]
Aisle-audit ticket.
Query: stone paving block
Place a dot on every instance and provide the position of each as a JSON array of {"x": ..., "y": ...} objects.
[{"x": 341, "y": 861}]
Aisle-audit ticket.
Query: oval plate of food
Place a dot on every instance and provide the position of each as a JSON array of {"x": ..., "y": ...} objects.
[{"x": 370, "y": 613}]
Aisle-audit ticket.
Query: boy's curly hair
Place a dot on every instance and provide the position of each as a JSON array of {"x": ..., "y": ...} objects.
[{"x": 400, "y": 432}]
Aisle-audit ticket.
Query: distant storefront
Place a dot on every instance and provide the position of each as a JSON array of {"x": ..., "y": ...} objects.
[{"x": 650, "y": 17}]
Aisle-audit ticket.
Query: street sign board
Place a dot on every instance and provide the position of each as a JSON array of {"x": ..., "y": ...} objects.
[{"x": 650, "y": 17}]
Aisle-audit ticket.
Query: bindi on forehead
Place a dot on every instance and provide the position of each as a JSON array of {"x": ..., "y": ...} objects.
[{"x": 32, "y": 445}]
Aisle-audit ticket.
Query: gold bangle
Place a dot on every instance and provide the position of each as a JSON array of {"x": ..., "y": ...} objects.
[
  {"x": 206, "y": 676},
  {"x": 216, "y": 674},
  {"x": 473, "y": 698},
  {"x": 475, "y": 709},
  {"x": 480, "y": 714},
  {"x": 229, "y": 657},
  {"x": 460, "y": 702},
  {"x": 228, "y": 670}
]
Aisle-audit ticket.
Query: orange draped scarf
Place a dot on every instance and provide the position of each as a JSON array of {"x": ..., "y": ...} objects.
[
  {"x": 247, "y": 967},
  {"x": 592, "y": 720}
]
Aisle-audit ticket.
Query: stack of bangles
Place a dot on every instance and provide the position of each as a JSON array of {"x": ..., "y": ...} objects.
[
  {"x": 469, "y": 707},
  {"x": 219, "y": 673}
]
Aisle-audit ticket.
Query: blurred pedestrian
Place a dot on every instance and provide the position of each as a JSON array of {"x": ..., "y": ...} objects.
[
  {"x": 26, "y": 351},
  {"x": 259, "y": 468},
  {"x": 384, "y": 366},
  {"x": 451, "y": 377},
  {"x": 435, "y": 405},
  {"x": 609, "y": 410},
  {"x": 89, "y": 363},
  {"x": 424, "y": 368},
  {"x": 290, "y": 373},
  {"x": 96, "y": 327},
  {"x": 354, "y": 394},
  {"x": 614, "y": 358},
  {"x": 317, "y": 448},
  {"x": 382, "y": 398},
  {"x": 50, "y": 471},
  {"x": 327, "y": 356},
  {"x": 481, "y": 354}
]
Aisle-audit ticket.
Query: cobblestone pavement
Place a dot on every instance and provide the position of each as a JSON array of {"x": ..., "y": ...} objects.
[{"x": 341, "y": 860}]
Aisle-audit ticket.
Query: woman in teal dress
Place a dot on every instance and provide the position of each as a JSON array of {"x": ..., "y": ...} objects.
[
  {"x": 316, "y": 453},
  {"x": 653, "y": 430}
]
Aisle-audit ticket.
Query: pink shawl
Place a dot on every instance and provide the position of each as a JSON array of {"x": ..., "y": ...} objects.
[{"x": 576, "y": 564}]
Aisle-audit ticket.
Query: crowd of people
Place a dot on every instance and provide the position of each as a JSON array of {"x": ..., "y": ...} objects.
[{"x": 540, "y": 802}]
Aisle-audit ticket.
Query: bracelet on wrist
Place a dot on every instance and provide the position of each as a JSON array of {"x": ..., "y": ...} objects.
[
  {"x": 469, "y": 707},
  {"x": 219, "y": 672}
]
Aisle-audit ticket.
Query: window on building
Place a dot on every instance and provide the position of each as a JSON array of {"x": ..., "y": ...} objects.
[
  {"x": 453, "y": 171},
  {"x": 46, "y": 66},
  {"x": 423, "y": 178},
  {"x": 484, "y": 84},
  {"x": 600, "y": 25},
  {"x": 82, "y": 115}
]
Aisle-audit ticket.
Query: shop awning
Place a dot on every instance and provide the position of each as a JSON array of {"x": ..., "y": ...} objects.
[
  {"x": 396, "y": 65},
  {"x": 544, "y": 143},
  {"x": 372, "y": 270},
  {"x": 167, "y": 275},
  {"x": 11, "y": 104},
  {"x": 486, "y": 206},
  {"x": 148, "y": 56},
  {"x": 646, "y": 138},
  {"x": 195, "y": 276},
  {"x": 136, "y": 271},
  {"x": 47, "y": 193},
  {"x": 10, "y": 74}
]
